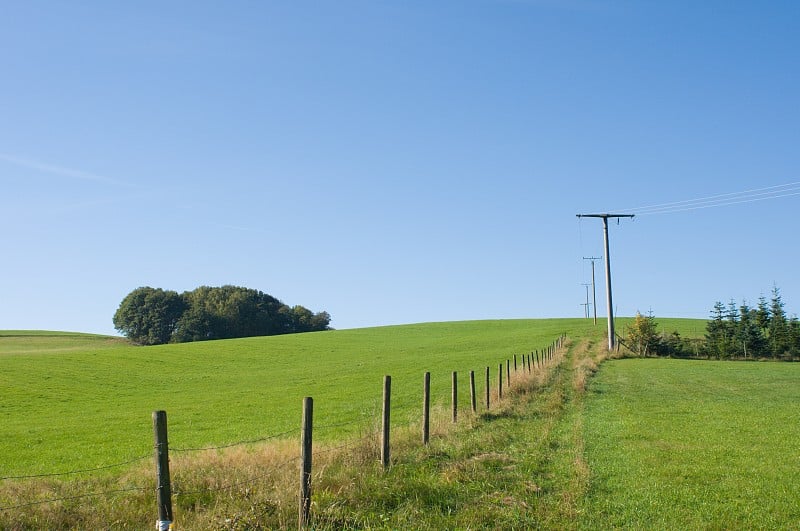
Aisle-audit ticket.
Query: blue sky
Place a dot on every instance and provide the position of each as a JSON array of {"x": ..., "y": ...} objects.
[{"x": 395, "y": 161}]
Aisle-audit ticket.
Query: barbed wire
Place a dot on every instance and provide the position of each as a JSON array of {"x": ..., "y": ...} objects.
[
  {"x": 81, "y": 471},
  {"x": 76, "y": 497},
  {"x": 359, "y": 422},
  {"x": 348, "y": 444},
  {"x": 238, "y": 443}
]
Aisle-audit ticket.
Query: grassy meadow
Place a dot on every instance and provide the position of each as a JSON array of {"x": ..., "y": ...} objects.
[
  {"x": 72, "y": 401},
  {"x": 584, "y": 443},
  {"x": 678, "y": 444}
]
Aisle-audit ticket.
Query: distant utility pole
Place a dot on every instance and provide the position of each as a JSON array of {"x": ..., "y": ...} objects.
[
  {"x": 594, "y": 291},
  {"x": 587, "y": 299},
  {"x": 604, "y": 217}
]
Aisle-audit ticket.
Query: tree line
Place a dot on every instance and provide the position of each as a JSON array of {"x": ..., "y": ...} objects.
[
  {"x": 761, "y": 332},
  {"x": 733, "y": 331},
  {"x": 153, "y": 316}
]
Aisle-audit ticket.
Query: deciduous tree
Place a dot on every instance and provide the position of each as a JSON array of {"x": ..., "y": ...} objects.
[
  {"x": 642, "y": 335},
  {"x": 149, "y": 316}
]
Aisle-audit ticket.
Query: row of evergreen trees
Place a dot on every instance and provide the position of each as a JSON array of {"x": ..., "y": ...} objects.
[
  {"x": 745, "y": 332},
  {"x": 734, "y": 331}
]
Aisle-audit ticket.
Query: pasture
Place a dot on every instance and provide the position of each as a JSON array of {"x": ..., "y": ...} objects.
[
  {"x": 693, "y": 445},
  {"x": 73, "y": 402},
  {"x": 641, "y": 443}
]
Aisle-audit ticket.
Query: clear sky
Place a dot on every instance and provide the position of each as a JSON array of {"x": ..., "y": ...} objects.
[{"x": 396, "y": 161}]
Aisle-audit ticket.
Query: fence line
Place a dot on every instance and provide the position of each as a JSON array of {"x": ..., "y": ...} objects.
[{"x": 530, "y": 362}]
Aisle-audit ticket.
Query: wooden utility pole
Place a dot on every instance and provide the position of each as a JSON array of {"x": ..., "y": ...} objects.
[
  {"x": 594, "y": 291},
  {"x": 604, "y": 217},
  {"x": 586, "y": 305}
]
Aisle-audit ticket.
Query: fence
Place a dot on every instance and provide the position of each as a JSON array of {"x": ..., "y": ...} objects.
[{"x": 164, "y": 488}]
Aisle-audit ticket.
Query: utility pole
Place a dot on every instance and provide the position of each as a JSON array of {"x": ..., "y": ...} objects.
[
  {"x": 594, "y": 291},
  {"x": 604, "y": 217},
  {"x": 587, "y": 299}
]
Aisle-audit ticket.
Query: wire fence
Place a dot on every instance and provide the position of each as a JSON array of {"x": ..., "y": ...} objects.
[{"x": 81, "y": 471}]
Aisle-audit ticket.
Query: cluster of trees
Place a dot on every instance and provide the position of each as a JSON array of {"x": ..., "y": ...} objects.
[
  {"x": 153, "y": 316},
  {"x": 761, "y": 332},
  {"x": 734, "y": 331}
]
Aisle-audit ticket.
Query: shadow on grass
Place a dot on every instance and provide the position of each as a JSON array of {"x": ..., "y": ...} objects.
[{"x": 498, "y": 415}]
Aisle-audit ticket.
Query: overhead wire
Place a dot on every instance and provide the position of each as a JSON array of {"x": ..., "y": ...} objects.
[{"x": 719, "y": 200}]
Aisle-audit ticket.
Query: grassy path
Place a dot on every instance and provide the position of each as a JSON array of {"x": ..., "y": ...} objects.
[{"x": 517, "y": 467}]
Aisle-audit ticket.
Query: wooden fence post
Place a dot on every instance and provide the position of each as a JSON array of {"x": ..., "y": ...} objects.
[
  {"x": 515, "y": 363},
  {"x": 487, "y": 388},
  {"x": 500, "y": 381},
  {"x": 455, "y": 396},
  {"x": 472, "y": 392},
  {"x": 305, "y": 458},
  {"x": 508, "y": 374},
  {"x": 426, "y": 408},
  {"x": 387, "y": 399},
  {"x": 164, "y": 489}
]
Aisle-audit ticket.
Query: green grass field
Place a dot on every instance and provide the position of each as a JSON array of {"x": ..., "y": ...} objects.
[
  {"x": 72, "y": 401},
  {"x": 693, "y": 445},
  {"x": 644, "y": 443}
]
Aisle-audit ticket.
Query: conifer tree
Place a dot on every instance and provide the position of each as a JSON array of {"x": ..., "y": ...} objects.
[
  {"x": 779, "y": 340},
  {"x": 717, "y": 332},
  {"x": 762, "y": 314},
  {"x": 749, "y": 336}
]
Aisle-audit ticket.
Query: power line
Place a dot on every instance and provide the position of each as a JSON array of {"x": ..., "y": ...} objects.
[
  {"x": 718, "y": 200},
  {"x": 732, "y": 201}
]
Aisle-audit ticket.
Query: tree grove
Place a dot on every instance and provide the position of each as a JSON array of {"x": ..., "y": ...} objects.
[{"x": 152, "y": 316}]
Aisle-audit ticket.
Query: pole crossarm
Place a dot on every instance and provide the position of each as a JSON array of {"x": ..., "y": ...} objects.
[{"x": 605, "y": 216}]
